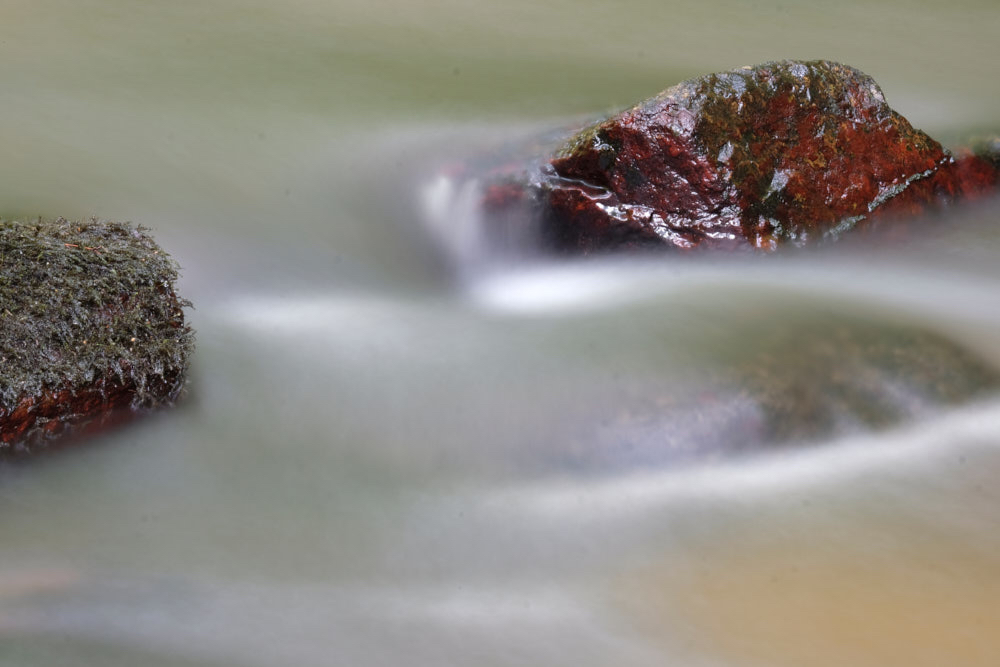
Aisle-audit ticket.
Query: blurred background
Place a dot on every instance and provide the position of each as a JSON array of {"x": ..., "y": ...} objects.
[{"x": 389, "y": 457}]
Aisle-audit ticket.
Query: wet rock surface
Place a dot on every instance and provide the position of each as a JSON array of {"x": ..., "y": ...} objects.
[
  {"x": 787, "y": 152},
  {"x": 91, "y": 329}
]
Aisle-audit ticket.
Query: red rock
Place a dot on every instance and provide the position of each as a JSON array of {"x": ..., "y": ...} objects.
[{"x": 783, "y": 153}]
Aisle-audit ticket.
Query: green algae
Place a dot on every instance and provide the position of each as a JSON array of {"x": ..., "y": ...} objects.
[{"x": 87, "y": 305}]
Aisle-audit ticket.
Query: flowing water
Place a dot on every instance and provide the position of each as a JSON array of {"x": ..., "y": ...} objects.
[{"x": 402, "y": 447}]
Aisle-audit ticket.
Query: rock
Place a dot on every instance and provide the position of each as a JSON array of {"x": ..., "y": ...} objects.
[
  {"x": 810, "y": 381},
  {"x": 988, "y": 149},
  {"x": 787, "y": 152},
  {"x": 91, "y": 329}
]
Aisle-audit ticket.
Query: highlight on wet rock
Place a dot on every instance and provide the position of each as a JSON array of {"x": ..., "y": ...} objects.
[
  {"x": 784, "y": 153},
  {"x": 92, "y": 331}
]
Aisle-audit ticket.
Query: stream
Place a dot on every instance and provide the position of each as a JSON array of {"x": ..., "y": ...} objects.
[{"x": 404, "y": 446}]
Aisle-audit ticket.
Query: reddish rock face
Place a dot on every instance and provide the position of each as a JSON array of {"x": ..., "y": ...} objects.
[
  {"x": 786, "y": 152},
  {"x": 68, "y": 411}
]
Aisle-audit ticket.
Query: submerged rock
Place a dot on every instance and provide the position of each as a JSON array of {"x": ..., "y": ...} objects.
[
  {"x": 804, "y": 383},
  {"x": 785, "y": 152},
  {"x": 91, "y": 329}
]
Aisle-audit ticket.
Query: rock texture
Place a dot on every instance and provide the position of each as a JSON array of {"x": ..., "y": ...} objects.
[
  {"x": 787, "y": 152},
  {"x": 91, "y": 329}
]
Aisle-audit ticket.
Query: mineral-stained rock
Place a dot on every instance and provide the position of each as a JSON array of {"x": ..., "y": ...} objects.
[
  {"x": 91, "y": 330},
  {"x": 785, "y": 152}
]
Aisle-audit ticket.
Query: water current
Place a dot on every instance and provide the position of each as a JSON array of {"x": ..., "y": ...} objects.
[{"x": 405, "y": 446}]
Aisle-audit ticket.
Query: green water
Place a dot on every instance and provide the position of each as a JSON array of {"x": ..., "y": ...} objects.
[{"x": 387, "y": 458}]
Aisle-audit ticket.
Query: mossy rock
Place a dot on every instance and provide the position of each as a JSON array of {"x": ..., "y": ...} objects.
[{"x": 91, "y": 328}]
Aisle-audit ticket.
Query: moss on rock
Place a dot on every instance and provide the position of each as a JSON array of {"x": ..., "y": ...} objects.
[{"x": 91, "y": 329}]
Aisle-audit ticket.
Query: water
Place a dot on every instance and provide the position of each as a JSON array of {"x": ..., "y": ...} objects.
[{"x": 391, "y": 455}]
